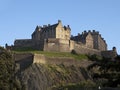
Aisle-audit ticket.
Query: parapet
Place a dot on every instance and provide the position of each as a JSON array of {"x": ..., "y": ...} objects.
[{"x": 93, "y": 32}]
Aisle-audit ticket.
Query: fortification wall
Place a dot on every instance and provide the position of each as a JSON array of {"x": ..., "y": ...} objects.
[
  {"x": 67, "y": 61},
  {"x": 23, "y": 60},
  {"x": 81, "y": 49},
  {"x": 28, "y": 43},
  {"x": 24, "y": 42},
  {"x": 58, "y": 45},
  {"x": 101, "y": 44},
  {"x": 61, "y": 45},
  {"x": 109, "y": 54},
  {"x": 72, "y": 45}
]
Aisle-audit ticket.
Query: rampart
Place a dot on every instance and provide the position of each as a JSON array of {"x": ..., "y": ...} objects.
[
  {"x": 81, "y": 49},
  {"x": 62, "y": 45},
  {"x": 23, "y": 60},
  {"x": 68, "y": 61},
  {"x": 109, "y": 54},
  {"x": 28, "y": 43},
  {"x": 26, "y": 59},
  {"x": 59, "y": 45}
]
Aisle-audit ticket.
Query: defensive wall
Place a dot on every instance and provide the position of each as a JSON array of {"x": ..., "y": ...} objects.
[
  {"x": 109, "y": 54},
  {"x": 81, "y": 49},
  {"x": 28, "y": 43},
  {"x": 62, "y": 45},
  {"x": 23, "y": 60},
  {"x": 26, "y": 59},
  {"x": 58, "y": 45},
  {"x": 68, "y": 61}
]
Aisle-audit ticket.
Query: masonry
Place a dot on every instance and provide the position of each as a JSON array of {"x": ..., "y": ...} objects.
[
  {"x": 58, "y": 38},
  {"x": 24, "y": 60}
]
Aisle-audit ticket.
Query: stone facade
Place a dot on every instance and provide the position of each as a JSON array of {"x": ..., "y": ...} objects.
[
  {"x": 91, "y": 40},
  {"x": 52, "y": 31},
  {"x": 58, "y": 38}
]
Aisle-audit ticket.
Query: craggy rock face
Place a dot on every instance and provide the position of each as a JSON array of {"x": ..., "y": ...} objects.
[
  {"x": 38, "y": 72},
  {"x": 44, "y": 77}
]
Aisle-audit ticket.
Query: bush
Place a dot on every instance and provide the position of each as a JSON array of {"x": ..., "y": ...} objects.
[{"x": 74, "y": 52}]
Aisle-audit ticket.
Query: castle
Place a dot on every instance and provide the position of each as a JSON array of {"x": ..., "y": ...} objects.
[{"x": 58, "y": 38}]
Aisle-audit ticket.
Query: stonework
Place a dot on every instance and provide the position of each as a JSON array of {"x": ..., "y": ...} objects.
[
  {"x": 52, "y": 31},
  {"x": 58, "y": 38},
  {"x": 91, "y": 40}
]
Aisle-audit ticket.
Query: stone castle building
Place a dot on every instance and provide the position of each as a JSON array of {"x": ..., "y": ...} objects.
[
  {"x": 58, "y": 38},
  {"x": 91, "y": 40},
  {"x": 52, "y": 31}
]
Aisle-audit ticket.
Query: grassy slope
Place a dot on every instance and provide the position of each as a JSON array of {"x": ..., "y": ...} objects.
[{"x": 57, "y": 54}]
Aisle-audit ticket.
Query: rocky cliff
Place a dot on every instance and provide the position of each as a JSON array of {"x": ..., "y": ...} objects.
[{"x": 53, "y": 72}]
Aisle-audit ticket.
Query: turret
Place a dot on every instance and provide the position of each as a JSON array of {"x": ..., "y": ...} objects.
[
  {"x": 59, "y": 21},
  {"x": 114, "y": 49},
  {"x": 89, "y": 31},
  {"x": 68, "y": 27}
]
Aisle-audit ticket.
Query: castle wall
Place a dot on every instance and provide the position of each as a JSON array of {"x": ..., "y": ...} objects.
[
  {"x": 109, "y": 54},
  {"x": 98, "y": 42},
  {"x": 101, "y": 44},
  {"x": 58, "y": 45},
  {"x": 28, "y": 43},
  {"x": 82, "y": 49},
  {"x": 36, "y": 34},
  {"x": 89, "y": 41},
  {"x": 95, "y": 40},
  {"x": 23, "y": 60},
  {"x": 24, "y": 43},
  {"x": 61, "y": 45},
  {"x": 51, "y": 45},
  {"x": 68, "y": 61},
  {"x": 72, "y": 45}
]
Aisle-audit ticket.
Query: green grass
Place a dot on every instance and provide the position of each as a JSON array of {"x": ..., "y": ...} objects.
[{"x": 56, "y": 54}]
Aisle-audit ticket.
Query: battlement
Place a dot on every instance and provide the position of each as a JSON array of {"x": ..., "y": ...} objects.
[{"x": 90, "y": 31}]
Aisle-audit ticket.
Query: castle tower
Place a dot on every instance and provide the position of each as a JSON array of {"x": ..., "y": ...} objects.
[
  {"x": 114, "y": 49},
  {"x": 36, "y": 34},
  {"x": 98, "y": 42}
]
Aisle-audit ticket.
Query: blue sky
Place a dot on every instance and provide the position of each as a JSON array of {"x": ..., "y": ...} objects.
[{"x": 18, "y": 18}]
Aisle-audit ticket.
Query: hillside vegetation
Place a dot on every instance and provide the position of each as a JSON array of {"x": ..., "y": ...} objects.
[
  {"x": 7, "y": 77},
  {"x": 54, "y": 77},
  {"x": 104, "y": 72}
]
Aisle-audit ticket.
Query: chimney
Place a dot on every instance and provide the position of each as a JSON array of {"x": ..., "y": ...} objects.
[
  {"x": 84, "y": 31},
  {"x": 48, "y": 25},
  {"x": 78, "y": 34},
  {"x": 89, "y": 30},
  {"x": 93, "y": 30},
  {"x": 59, "y": 21},
  {"x": 44, "y": 26}
]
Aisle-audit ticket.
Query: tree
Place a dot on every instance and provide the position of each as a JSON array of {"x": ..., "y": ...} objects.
[{"x": 107, "y": 71}]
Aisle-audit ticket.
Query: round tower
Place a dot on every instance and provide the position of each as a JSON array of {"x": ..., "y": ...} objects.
[{"x": 114, "y": 49}]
